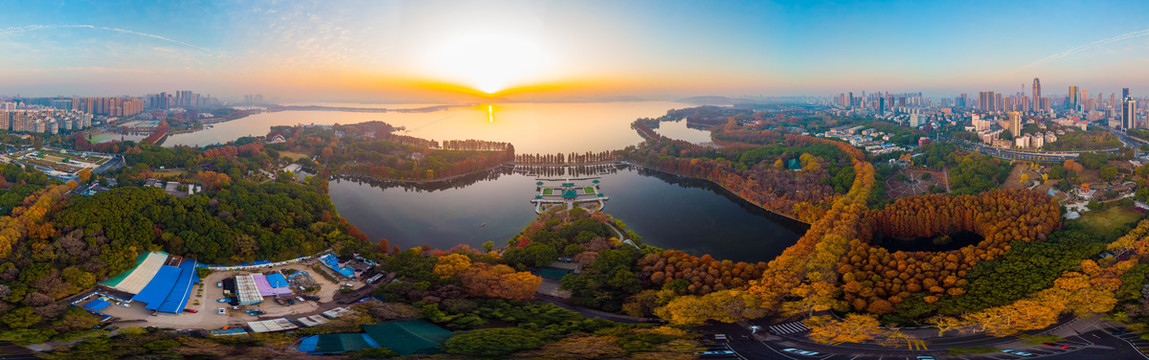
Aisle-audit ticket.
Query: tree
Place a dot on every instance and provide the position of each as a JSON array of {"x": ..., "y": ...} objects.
[
  {"x": 493, "y": 342},
  {"x": 725, "y": 306},
  {"x": 535, "y": 254},
  {"x": 20, "y": 318},
  {"x": 449, "y": 265},
  {"x": 499, "y": 281},
  {"x": 1073, "y": 166},
  {"x": 84, "y": 175},
  {"x": 1108, "y": 172},
  {"x": 855, "y": 328},
  {"x": 581, "y": 346}
]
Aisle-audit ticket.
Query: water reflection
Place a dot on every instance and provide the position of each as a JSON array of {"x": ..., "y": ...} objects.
[{"x": 666, "y": 210}]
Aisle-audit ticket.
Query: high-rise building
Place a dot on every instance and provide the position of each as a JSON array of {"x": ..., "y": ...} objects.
[
  {"x": 1124, "y": 93},
  {"x": 1015, "y": 123},
  {"x": 851, "y": 99},
  {"x": 1129, "y": 114},
  {"x": 1072, "y": 103},
  {"x": 1036, "y": 94},
  {"x": 986, "y": 101},
  {"x": 881, "y": 105}
]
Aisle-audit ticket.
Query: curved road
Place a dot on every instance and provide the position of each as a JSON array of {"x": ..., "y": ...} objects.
[{"x": 1089, "y": 338}]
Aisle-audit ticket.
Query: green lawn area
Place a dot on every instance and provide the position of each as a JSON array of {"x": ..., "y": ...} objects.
[
  {"x": 293, "y": 155},
  {"x": 548, "y": 191},
  {"x": 1104, "y": 221},
  {"x": 588, "y": 190}
]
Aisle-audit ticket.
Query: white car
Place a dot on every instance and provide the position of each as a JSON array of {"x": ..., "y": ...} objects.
[
  {"x": 221, "y": 311},
  {"x": 1015, "y": 352},
  {"x": 800, "y": 351},
  {"x": 219, "y": 284},
  {"x": 719, "y": 336}
]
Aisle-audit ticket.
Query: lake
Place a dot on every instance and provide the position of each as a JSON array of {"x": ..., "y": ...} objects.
[
  {"x": 668, "y": 211},
  {"x": 532, "y": 127}
]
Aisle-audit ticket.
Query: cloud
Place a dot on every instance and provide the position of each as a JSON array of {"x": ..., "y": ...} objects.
[
  {"x": 1082, "y": 48},
  {"x": 21, "y": 29}
]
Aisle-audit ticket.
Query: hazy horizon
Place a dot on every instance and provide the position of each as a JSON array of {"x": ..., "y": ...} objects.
[{"x": 461, "y": 51}]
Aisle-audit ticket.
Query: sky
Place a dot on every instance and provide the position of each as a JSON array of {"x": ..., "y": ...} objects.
[{"x": 435, "y": 51}]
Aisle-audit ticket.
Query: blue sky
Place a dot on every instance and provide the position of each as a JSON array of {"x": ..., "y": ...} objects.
[{"x": 389, "y": 50}]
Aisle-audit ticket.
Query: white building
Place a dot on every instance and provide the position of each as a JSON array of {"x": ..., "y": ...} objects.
[
  {"x": 1036, "y": 141},
  {"x": 1021, "y": 141}
]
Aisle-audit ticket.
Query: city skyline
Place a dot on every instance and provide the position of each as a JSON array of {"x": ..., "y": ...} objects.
[{"x": 399, "y": 51}]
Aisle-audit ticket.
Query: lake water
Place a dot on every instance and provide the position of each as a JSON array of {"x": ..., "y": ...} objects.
[
  {"x": 531, "y": 127},
  {"x": 677, "y": 130},
  {"x": 666, "y": 210}
]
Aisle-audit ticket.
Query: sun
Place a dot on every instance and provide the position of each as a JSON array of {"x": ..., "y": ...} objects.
[{"x": 487, "y": 62}]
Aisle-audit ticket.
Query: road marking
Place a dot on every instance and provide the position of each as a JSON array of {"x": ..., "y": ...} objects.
[
  {"x": 734, "y": 351},
  {"x": 789, "y": 328},
  {"x": 1122, "y": 339},
  {"x": 917, "y": 344}
]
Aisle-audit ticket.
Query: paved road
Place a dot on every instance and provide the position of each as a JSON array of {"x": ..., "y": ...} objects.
[
  {"x": 1095, "y": 340},
  {"x": 10, "y": 351}
]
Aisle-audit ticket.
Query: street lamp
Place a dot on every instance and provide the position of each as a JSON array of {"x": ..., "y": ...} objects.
[{"x": 754, "y": 329}]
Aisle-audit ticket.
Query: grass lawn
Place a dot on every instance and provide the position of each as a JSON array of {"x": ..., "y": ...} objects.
[
  {"x": 169, "y": 173},
  {"x": 1104, "y": 221},
  {"x": 548, "y": 191},
  {"x": 292, "y": 155},
  {"x": 588, "y": 190}
]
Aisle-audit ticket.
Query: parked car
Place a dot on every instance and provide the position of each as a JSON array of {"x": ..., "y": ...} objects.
[
  {"x": 193, "y": 311},
  {"x": 221, "y": 311},
  {"x": 1055, "y": 345},
  {"x": 800, "y": 352},
  {"x": 925, "y": 357},
  {"x": 716, "y": 352},
  {"x": 720, "y": 337},
  {"x": 222, "y": 300},
  {"x": 1118, "y": 331},
  {"x": 300, "y": 299},
  {"x": 219, "y": 284},
  {"x": 1015, "y": 352}
]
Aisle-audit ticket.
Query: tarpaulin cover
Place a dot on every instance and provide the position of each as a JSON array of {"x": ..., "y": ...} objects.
[{"x": 97, "y": 305}]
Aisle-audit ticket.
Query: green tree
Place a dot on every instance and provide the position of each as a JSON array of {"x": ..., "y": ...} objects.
[
  {"x": 1108, "y": 172},
  {"x": 534, "y": 254},
  {"x": 21, "y": 317},
  {"x": 493, "y": 342}
]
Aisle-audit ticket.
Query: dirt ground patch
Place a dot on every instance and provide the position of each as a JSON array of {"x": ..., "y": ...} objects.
[
  {"x": 910, "y": 182},
  {"x": 1014, "y": 180}
]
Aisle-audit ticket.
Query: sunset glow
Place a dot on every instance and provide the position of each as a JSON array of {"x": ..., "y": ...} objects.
[
  {"x": 512, "y": 49},
  {"x": 486, "y": 62}
]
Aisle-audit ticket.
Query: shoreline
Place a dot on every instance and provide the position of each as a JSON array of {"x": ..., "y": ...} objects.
[
  {"x": 281, "y": 108},
  {"x": 729, "y": 192}
]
